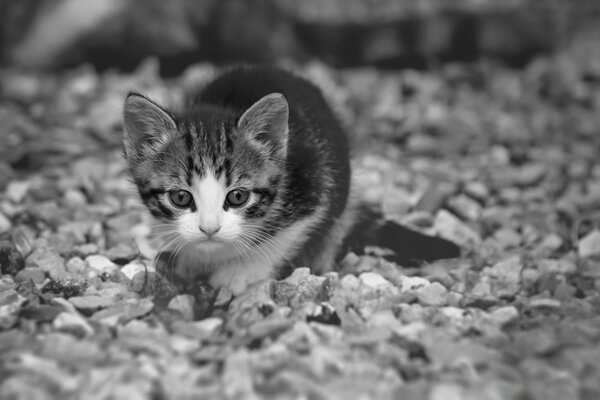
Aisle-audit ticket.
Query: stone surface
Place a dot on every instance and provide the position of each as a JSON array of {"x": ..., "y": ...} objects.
[{"x": 589, "y": 245}]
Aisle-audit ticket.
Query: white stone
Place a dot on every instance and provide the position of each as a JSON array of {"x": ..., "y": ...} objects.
[
  {"x": 209, "y": 325},
  {"x": 5, "y": 223},
  {"x": 590, "y": 244},
  {"x": 101, "y": 264},
  {"x": 374, "y": 280},
  {"x": 17, "y": 190},
  {"x": 68, "y": 321},
  {"x": 184, "y": 303},
  {"x": 133, "y": 268},
  {"x": 503, "y": 315},
  {"x": 452, "y": 228},
  {"x": 413, "y": 282}
]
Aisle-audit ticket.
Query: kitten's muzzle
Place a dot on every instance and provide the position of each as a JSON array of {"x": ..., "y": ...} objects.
[{"x": 210, "y": 231}]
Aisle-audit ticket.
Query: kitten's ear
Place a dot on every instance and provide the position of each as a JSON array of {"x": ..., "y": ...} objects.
[
  {"x": 145, "y": 123},
  {"x": 267, "y": 121}
]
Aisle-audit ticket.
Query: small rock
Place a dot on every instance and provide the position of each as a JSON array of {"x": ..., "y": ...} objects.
[
  {"x": 11, "y": 260},
  {"x": 434, "y": 294},
  {"x": 5, "y": 223},
  {"x": 17, "y": 190},
  {"x": 507, "y": 238},
  {"x": 590, "y": 245},
  {"x": 48, "y": 261},
  {"x": 451, "y": 228},
  {"x": 36, "y": 275},
  {"x": 447, "y": 391},
  {"x": 185, "y": 304},
  {"x": 124, "y": 311},
  {"x": 374, "y": 280},
  {"x": 133, "y": 268},
  {"x": 552, "y": 242},
  {"x": 209, "y": 325},
  {"x": 465, "y": 207},
  {"x": 507, "y": 274},
  {"x": 434, "y": 198},
  {"x": 563, "y": 266},
  {"x": 122, "y": 253},
  {"x": 504, "y": 315},
  {"x": 223, "y": 297},
  {"x": 74, "y": 198},
  {"x": 24, "y": 236},
  {"x": 86, "y": 249},
  {"x": 76, "y": 266},
  {"x": 413, "y": 282},
  {"x": 90, "y": 304},
  {"x": 543, "y": 303},
  {"x": 477, "y": 190},
  {"x": 73, "y": 323},
  {"x": 257, "y": 294},
  {"x": 101, "y": 265}
]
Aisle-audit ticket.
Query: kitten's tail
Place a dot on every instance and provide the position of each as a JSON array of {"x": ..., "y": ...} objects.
[{"x": 410, "y": 247}]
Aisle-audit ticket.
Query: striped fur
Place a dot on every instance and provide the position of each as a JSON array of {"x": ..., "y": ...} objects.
[{"x": 256, "y": 128}]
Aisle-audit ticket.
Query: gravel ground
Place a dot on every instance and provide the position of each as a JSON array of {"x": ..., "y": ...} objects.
[{"x": 502, "y": 162}]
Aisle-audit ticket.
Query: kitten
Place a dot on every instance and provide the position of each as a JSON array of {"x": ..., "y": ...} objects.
[{"x": 251, "y": 178}]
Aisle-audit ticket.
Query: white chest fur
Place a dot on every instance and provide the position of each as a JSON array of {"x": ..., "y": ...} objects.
[{"x": 228, "y": 268}]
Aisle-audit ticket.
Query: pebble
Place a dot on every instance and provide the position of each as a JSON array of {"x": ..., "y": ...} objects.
[
  {"x": 74, "y": 198},
  {"x": 5, "y": 223},
  {"x": 589, "y": 245},
  {"x": 122, "y": 253},
  {"x": 124, "y": 311},
  {"x": 209, "y": 325},
  {"x": 74, "y": 323},
  {"x": 76, "y": 265},
  {"x": 504, "y": 315},
  {"x": 185, "y": 304},
  {"x": 101, "y": 265},
  {"x": 90, "y": 304},
  {"x": 507, "y": 238},
  {"x": 17, "y": 190},
  {"x": 413, "y": 282},
  {"x": 447, "y": 391},
  {"x": 11, "y": 259},
  {"x": 36, "y": 275},
  {"x": 451, "y": 228},
  {"x": 86, "y": 249},
  {"x": 133, "y": 268},
  {"x": 48, "y": 261},
  {"x": 507, "y": 274},
  {"x": 434, "y": 294},
  {"x": 374, "y": 281},
  {"x": 465, "y": 207},
  {"x": 545, "y": 303}
]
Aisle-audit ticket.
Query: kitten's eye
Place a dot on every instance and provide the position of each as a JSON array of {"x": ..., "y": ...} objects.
[
  {"x": 180, "y": 198},
  {"x": 237, "y": 197}
]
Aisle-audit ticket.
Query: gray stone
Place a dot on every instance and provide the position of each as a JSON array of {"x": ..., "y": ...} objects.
[
  {"x": 86, "y": 249},
  {"x": 17, "y": 190},
  {"x": 504, "y": 315},
  {"x": 48, "y": 261},
  {"x": 11, "y": 259},
  {"x": 590, "y": 245},
  {"x": 451, "y": 228},
  {"x": 122, "y": 253},
  {"x": 434, "y": 294},
  {"x": 76, "y": 265},
  {"x": 36, "y": 275},
  {"x": 101, "y": 265},
  {"x": 124, "y": 311},
  {"x": 506, "y": 276},
  {"x": 465, "y": 207},
  {"x": 73, "y": 323},
  {"x": 5, "y": 223},
  {"x": 133, "y": 268},
  {"x": 90, "y": 304},
  {"x": 185, "y": 304}
]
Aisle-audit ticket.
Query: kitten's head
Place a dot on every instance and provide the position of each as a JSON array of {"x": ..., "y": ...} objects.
[{"x": 210, "y": 175}]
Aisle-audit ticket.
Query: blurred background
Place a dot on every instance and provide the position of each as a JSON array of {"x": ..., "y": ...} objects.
[
  {"x": 390, "y": 34},
  {"x": 431, "y": 75}
]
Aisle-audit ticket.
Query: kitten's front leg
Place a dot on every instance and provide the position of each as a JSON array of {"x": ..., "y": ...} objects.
[{"x": 238, "y": 277}]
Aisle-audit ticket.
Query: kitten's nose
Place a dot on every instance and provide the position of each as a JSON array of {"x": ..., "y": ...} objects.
[{"x": 210, "y": 230}]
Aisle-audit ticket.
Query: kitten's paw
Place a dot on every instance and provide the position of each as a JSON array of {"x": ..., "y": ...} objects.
[{"x": 236, "y": 280}]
